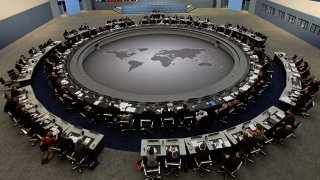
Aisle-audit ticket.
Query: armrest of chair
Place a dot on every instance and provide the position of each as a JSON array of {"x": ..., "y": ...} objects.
[
  {"x": 55, "y": 148},
  {"x": 25, "y": 130},
  {"x": 146, "y": 121},
  {"x": 177, "y": 164},
  {"x": 255, "y": 150},
  {"x": 71, "y": 158}
]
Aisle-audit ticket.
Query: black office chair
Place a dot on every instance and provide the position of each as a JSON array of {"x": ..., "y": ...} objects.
[
  {"x": 127, "y": 126},
  {"x": 70, "y": 103},
  {"x": 185, "y": 122},
  {"x": 173, "y": 167},
  {"x": 63, "y": 150},
  {"x": 12, "y": 74},
  {"x": 296, "y": 126},
  {"x": 151, "y": 172},
  {"x": 240, "y": 107},
  {"x": 203, "y": 165},
  {"x": 111, "y": 119},
  {"x": 246, "y": 156},
  {"x": 35, "y": 137},
  {"x": 14, "y": 119},
  {"x": 146, "y": 125},
  {"x": 5, "y": 84},
  {"x": 167, "y": 122},
  {"x": 228, "y": 172},
  {"x": 248, "y": 148},
  {"x": 304, "y": 111},
  {"x": 221, "y": 117},
  {"x": 78, "y": 163}
]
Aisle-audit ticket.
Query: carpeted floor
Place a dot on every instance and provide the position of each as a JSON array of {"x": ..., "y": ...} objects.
[{"x": 298, "y": 159}]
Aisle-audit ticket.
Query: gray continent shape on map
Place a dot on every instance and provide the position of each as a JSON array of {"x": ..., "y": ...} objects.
[
  {"x": 134, "y": 64},
  {"x": 167, "y": 56},
  {"x": 164, "y": 56},
  {"x": 125, "y": 54}
]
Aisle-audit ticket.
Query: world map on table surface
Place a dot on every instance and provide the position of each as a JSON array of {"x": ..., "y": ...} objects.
[{"x": 165, "y": 56}]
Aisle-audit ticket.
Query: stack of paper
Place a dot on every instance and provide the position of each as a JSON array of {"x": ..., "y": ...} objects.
[
  {"x": 96, "y": 103},
  {"x": 252, "y": 127},
  {"x": 87, "y": 140},
  {"x": 131, "y": 109},
  {"x": 281, "y": 115},
  {"x": 123, "y": 106},
  {"x": 227, "y": 144},
  {"x": 227, "y": 98},
  {"x": 64, "y": 82},
  {"x": 74, "y": 138},
  {"x": 194, "y": 143},
  {"x": 245, "y": 87}
]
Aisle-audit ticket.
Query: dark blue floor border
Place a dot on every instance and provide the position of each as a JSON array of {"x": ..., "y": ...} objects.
[{"x": 115, "y": 139}]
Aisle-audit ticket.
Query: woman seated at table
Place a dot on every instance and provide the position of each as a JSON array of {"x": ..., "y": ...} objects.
[
  {"x": 173, "y": 155},
  {"x": 258, "y": 134}
]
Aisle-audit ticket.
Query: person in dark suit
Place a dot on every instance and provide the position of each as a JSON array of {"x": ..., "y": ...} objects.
[
  {"x": 246, "y": 144},
  {"x": 22, "y": 60},
  {"x": 303, "y": 67},
  {"x": 202, "y": 152},
  {"x": 167, "y": 112},
  {"x": 231, "y": 162},
  {"x": 189, "y": 18},
  {"x": 14, "y": 92},
  {"x": 81, "y": 150},
  {"x": 65, "y": 144},
  {"x": 32, "y": 51},
  {"x": 298, "y": 61},
  {"x": 184, "y": 111},
  {"x": 289, "y": 119},
  {"x": 112, "y": 109},
  {"x": 25, "y": 118},
  {"x": 148, "y": 114},
  {"x": 66, "y": 33},
  {"x": 282, "y": 132},
  {"x": 11, "y": 103},
  {"x": 305, "y": 73}
]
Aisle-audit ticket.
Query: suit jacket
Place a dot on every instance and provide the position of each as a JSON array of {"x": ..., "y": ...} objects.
[
  {"x": 81, "y": 151},
  {"x": 231, "y": 163},
  {"x": 148, "y": 114},
  {"x": 246, "y": 144},
  {"x": 113, "y": 110},
  {"x": 289, "y": 120},
  {"x": 282, "y": 132},
  {"x": 202, "y": 154},
  {"x": 171, "y": 159},
  {"x": 183, "y": 112}
]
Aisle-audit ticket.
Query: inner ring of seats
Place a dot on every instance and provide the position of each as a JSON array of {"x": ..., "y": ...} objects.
[{"x": 238, "y": 73}]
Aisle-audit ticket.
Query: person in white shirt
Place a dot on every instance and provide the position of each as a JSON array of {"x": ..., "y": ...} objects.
[{"x": 201, "y": 114}]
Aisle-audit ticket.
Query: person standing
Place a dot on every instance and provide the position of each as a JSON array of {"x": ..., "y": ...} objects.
[{"x": 46, "y": 147}]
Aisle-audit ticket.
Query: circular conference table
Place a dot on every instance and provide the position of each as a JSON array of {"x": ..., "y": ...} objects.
[
  {"x": 237, "y": 50},
  {"x": 241, "y": 76}
]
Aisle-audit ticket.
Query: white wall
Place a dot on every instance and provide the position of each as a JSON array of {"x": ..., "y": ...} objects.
[
  {"x": 305, "y": 6},
  {"x": 11, "y": 7}
]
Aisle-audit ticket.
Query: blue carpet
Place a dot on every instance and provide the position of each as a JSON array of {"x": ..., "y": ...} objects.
[{"x": 114, "y": 138}]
